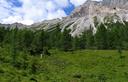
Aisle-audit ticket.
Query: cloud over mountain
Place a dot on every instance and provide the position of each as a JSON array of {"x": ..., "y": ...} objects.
[{"x": 31, "y": 11}]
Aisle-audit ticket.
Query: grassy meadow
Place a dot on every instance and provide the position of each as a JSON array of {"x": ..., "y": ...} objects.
[{"x": 77, "y": 66}]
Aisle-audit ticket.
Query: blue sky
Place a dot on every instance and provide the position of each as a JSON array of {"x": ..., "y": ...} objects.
[
  {"x": 68, "y": 9},
  {"x": 15, "y": 3},
  {"x": 32, "y": 11}
]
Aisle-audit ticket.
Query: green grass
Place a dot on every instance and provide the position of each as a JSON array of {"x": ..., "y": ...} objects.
[{"x": 79, "y": 66}]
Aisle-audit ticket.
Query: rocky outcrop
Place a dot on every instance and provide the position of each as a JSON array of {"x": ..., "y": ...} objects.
[{"x": 47, "y": 24}]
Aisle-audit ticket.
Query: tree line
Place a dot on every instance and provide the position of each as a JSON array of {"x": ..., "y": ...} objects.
[{"x": 107, "y": 36}]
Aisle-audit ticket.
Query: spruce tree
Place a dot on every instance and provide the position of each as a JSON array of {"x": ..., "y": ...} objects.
[
  {"x": 75, "y": 43},
  {"x": 82, "y": 41},
  {"x": 89, "y": 38},
  {"x": 101, "y": 37},
  {"x": 66, "y": 40},
  {"x": 13, "y": 45},
  {"x": 37, "y": 43}
]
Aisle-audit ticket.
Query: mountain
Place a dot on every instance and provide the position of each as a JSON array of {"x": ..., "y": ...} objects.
[
  {"x": 19, "y": 25},
  {"x": 116, "y": 3},
  {"x": 86, "y": 16},
  {"x": 90, "y": 14}
]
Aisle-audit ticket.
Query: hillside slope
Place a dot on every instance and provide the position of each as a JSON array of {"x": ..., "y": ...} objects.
[{"x": 87, "y": 14}]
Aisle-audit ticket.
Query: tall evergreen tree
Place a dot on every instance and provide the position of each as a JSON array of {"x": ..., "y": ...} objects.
[
  {"x": 89, "y": 38},
  {"x": 2, "y": 34},
  {"x": 38, "y": 42},
  {"x": 82, "y": 41},
  {"x": 66, "y": 40},
  {"x": 75, "y": 43},
  {"x": 101, "y": 37},
  {"x": 13, "y": 45}
]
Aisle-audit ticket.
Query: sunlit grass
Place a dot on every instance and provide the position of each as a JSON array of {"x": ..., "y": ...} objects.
[{"x": 77, "y": 66}]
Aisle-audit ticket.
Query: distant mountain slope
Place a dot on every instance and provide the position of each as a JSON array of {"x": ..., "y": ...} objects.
[
  {"x": 19, "y": 25},
  {"x": 87, "y": 15}
]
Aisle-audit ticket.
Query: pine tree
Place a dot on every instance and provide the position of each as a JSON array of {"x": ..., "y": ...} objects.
[
  {"x": 82, "y": 41},
  {"x": 38, "y": 43},
  {"x": 55, "y": 37},
  {"x": 2, "y": 33},
  {"x": 101, "y": 37},
  {"x": 75, "y": 43},
  {"x": 89, "y": 38},
  {"x": 66, "y": 40},
  {"x": 13, "y": 45}
]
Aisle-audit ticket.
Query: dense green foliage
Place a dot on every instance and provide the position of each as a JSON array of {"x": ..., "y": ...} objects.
[
  {"x": 36, "y": 42},
  {"x": 107, "y": 36},
  {"x": 26, "y": 56},
  {"x": 79, "y": 66}
]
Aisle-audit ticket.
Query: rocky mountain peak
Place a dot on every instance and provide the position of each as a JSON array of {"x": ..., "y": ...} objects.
[
  {"x": 84, "y": 10},
  {"x": 89, "y": 5},
  {"x": 84, "y": 16}
]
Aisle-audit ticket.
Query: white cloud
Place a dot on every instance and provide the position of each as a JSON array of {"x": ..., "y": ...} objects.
[
  {"x": 32, "y": 11},
  {"x": 58, "y": 14},
  {"x": 62, "y": 3},
  {"x": 50, "y": 6},
  {"x": 13, "y": 19},
  {"x": 77, "y": 2},
  {"x": 4, "y": 6}
]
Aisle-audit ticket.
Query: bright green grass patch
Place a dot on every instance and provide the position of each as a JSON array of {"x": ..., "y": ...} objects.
[{"x": 77, "y": 66}]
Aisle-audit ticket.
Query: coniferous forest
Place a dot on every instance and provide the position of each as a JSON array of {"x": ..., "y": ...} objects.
[
  {"x": 28, "y": 55},
  {"x": 107, "y": 37}
]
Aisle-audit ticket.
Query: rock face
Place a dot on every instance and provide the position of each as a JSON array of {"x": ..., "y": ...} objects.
[
  {"x": 91, "y": 11},
  {"x": 115, "y": 3},
  {"x": 85, "y": 16}
]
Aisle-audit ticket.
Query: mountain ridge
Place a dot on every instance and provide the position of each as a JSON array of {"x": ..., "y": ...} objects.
[{"x": 85, "y": 16}]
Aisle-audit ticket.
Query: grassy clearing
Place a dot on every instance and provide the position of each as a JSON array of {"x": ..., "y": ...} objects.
[{"x": 79, "y": 66}]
